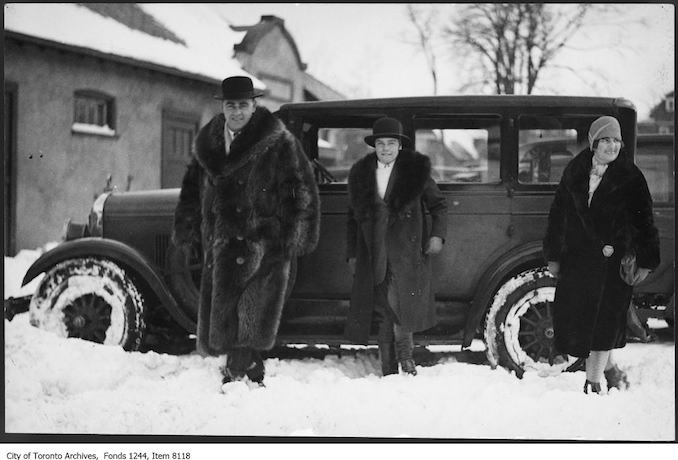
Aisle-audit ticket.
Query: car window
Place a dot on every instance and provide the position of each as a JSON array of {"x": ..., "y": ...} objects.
[
  {"x": 655, "y": 159},
  {"x": 461, "y": 149},
  {"x": 339, "y": 148},
  {"x": 546, "y": 144}
]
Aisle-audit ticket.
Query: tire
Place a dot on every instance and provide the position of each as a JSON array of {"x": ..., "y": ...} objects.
[
  {"x": 184, "y": 274},
  {"x": 91, "y": 299},
  {"x": 519, "y": 326}
]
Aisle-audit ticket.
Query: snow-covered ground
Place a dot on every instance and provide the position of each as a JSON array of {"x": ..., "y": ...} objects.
[{"x": 56, "y": 385}]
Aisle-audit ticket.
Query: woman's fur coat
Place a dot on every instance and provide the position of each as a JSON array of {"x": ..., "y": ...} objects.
[
  {"x": 591, "y": 299},
  {"x": 253, "y": 212},
  {"x": 393, "y": 231}
]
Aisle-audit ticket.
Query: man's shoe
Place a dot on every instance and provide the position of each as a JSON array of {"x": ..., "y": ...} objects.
[
  {"x": 593, "y": 386},
  {"x": 408, "y": 366},
  {"x": 228, "y": 376},
  {"x": 616, "y": 378},
  {"x": 256, "y": 371}
]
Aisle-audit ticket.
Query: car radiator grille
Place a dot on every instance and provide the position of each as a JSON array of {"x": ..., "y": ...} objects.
[{"x": 162, "y": 242}]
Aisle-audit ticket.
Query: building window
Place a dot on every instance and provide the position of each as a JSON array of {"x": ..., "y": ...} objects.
[
  {"x": 93, "y": 113},
  {"x": 670, "y": 104}
]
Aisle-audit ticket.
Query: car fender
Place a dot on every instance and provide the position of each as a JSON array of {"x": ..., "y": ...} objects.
[
  {"x": 525, "y": 256},
  {"x": 118, "y": 252}
]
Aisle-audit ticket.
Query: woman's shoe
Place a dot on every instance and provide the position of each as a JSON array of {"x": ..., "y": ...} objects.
[
  {"x": 616, "y": 378},
  {"x": 595, "y": 387}
]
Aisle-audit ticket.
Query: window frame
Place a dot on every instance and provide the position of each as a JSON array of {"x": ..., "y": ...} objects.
[
  {"x": 466, "y": 118},
  {"x": 108, "y": 129},
  {"x": 515, "y": 165}
]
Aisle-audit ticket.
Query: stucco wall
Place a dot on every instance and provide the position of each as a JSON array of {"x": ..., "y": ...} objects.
[
  {"x": 274, "y": 56},
  {"x": 60, "y": 172}
]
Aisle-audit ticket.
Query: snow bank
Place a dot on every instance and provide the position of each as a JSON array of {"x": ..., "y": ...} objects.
[{"x": 56, "y": 385}]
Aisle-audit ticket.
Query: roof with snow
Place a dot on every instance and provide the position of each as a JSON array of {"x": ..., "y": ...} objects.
[{"x": 189, "y": 38}]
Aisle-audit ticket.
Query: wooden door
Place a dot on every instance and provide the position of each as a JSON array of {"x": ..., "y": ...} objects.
[{"x": 178, "y": 133}]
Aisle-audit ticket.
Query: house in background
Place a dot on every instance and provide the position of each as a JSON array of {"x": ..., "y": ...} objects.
[
  {"x": 662, "y": 117},
  {"x": 111, "y": 96}
]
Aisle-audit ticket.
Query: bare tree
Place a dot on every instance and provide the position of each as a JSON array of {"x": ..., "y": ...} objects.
[
  {"x": 512, "y": 44},
  {"x": 423, "y": 21}
]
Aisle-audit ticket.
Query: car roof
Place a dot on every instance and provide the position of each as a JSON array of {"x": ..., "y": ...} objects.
[{"x": 476, "y": 100}]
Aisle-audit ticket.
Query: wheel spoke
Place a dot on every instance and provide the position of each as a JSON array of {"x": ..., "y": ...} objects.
[
  {"x": 529, "y": 321},
  {"x": 551, "y": 356},
  {"x": 539, "y": 350},
  {"x": 536, "y": 311},
  {"x": 549, "y": 312},
  {"x": 527, "y": 333},
  {"x": 530, "y": 345}
]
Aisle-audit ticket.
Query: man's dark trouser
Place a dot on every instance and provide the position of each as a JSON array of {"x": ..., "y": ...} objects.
[{"x": 395, "y": 343}]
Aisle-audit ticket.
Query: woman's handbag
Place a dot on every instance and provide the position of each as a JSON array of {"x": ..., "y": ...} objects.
[{"x": 629, "y": 272}]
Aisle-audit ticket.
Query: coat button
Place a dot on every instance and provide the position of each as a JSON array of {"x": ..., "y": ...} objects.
[
  {"x": 238, "y": 209},
  {"x": 412, "y": 293},
  {"x": 240, "y": 260},
  {"x": 239, "y": 238},
  {"x": 240, "y": 182}
]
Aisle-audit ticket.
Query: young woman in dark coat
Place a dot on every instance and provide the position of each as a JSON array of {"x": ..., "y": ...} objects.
[
  {"x": 389, "y": 244},
  {"x": 601, "y": 212}
]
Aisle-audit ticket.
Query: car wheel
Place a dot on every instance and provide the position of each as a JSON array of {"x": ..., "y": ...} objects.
[
  {"x": 519, "y": 326},
  {"x": 92, "y": 299},
  {"x": 184, "y": 275}
]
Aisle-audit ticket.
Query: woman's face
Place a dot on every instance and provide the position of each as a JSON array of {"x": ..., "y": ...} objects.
[{"x": 607, "y": 149}]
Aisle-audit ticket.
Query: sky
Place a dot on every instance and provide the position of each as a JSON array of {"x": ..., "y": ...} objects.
[{"x": 361, "y": 49}]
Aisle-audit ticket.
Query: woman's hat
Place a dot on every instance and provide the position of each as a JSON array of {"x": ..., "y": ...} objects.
[
  {"x": 234, "y": 88},
  {"x": 604, "y": 127},
  {"x": 388, "y": 127}
]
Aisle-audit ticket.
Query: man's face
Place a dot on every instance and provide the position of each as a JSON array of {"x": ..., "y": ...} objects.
[
  {"x": 387, "y": 149},
  {"x": 238, "y": 112}
]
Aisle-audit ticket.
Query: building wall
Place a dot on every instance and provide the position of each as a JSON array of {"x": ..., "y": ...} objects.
[
  {"x": 275, "y": 63},
  {"x": 59, "y": 172}
]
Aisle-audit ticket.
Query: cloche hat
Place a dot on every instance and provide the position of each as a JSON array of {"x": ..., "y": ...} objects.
[{"x": 604, "y": 127}]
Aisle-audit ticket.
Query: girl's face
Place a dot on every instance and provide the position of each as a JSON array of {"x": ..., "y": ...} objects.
[{"x": 607, "y": 149}]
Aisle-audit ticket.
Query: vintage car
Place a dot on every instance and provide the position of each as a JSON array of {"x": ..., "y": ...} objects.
[{"x": 497, "y": 159}]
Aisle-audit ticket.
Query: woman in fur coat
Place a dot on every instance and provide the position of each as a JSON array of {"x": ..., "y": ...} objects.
[
  {"x": 389, "y": 244},
  {"x": 602, "y": 211},
  {"x": 249, "y": 199}
]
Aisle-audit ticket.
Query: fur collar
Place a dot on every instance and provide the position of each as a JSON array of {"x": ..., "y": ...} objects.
[
  {"x": 263, "y": 129},
  {"x": 618, "y": 173},
  {"x": 408, "y": 179}
]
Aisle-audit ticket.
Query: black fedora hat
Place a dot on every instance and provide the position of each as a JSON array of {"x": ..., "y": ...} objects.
[
  {"x": 238, "y": 88},
  {"x": 388, "y": 127}
]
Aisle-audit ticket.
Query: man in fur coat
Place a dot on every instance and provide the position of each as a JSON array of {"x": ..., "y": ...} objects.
[
  {"x": 389, "y": 244},
  {"x": 250, "y": 201}
]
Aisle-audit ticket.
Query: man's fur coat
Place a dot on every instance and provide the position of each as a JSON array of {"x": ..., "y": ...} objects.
[{"x": 253, "y": 212}]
